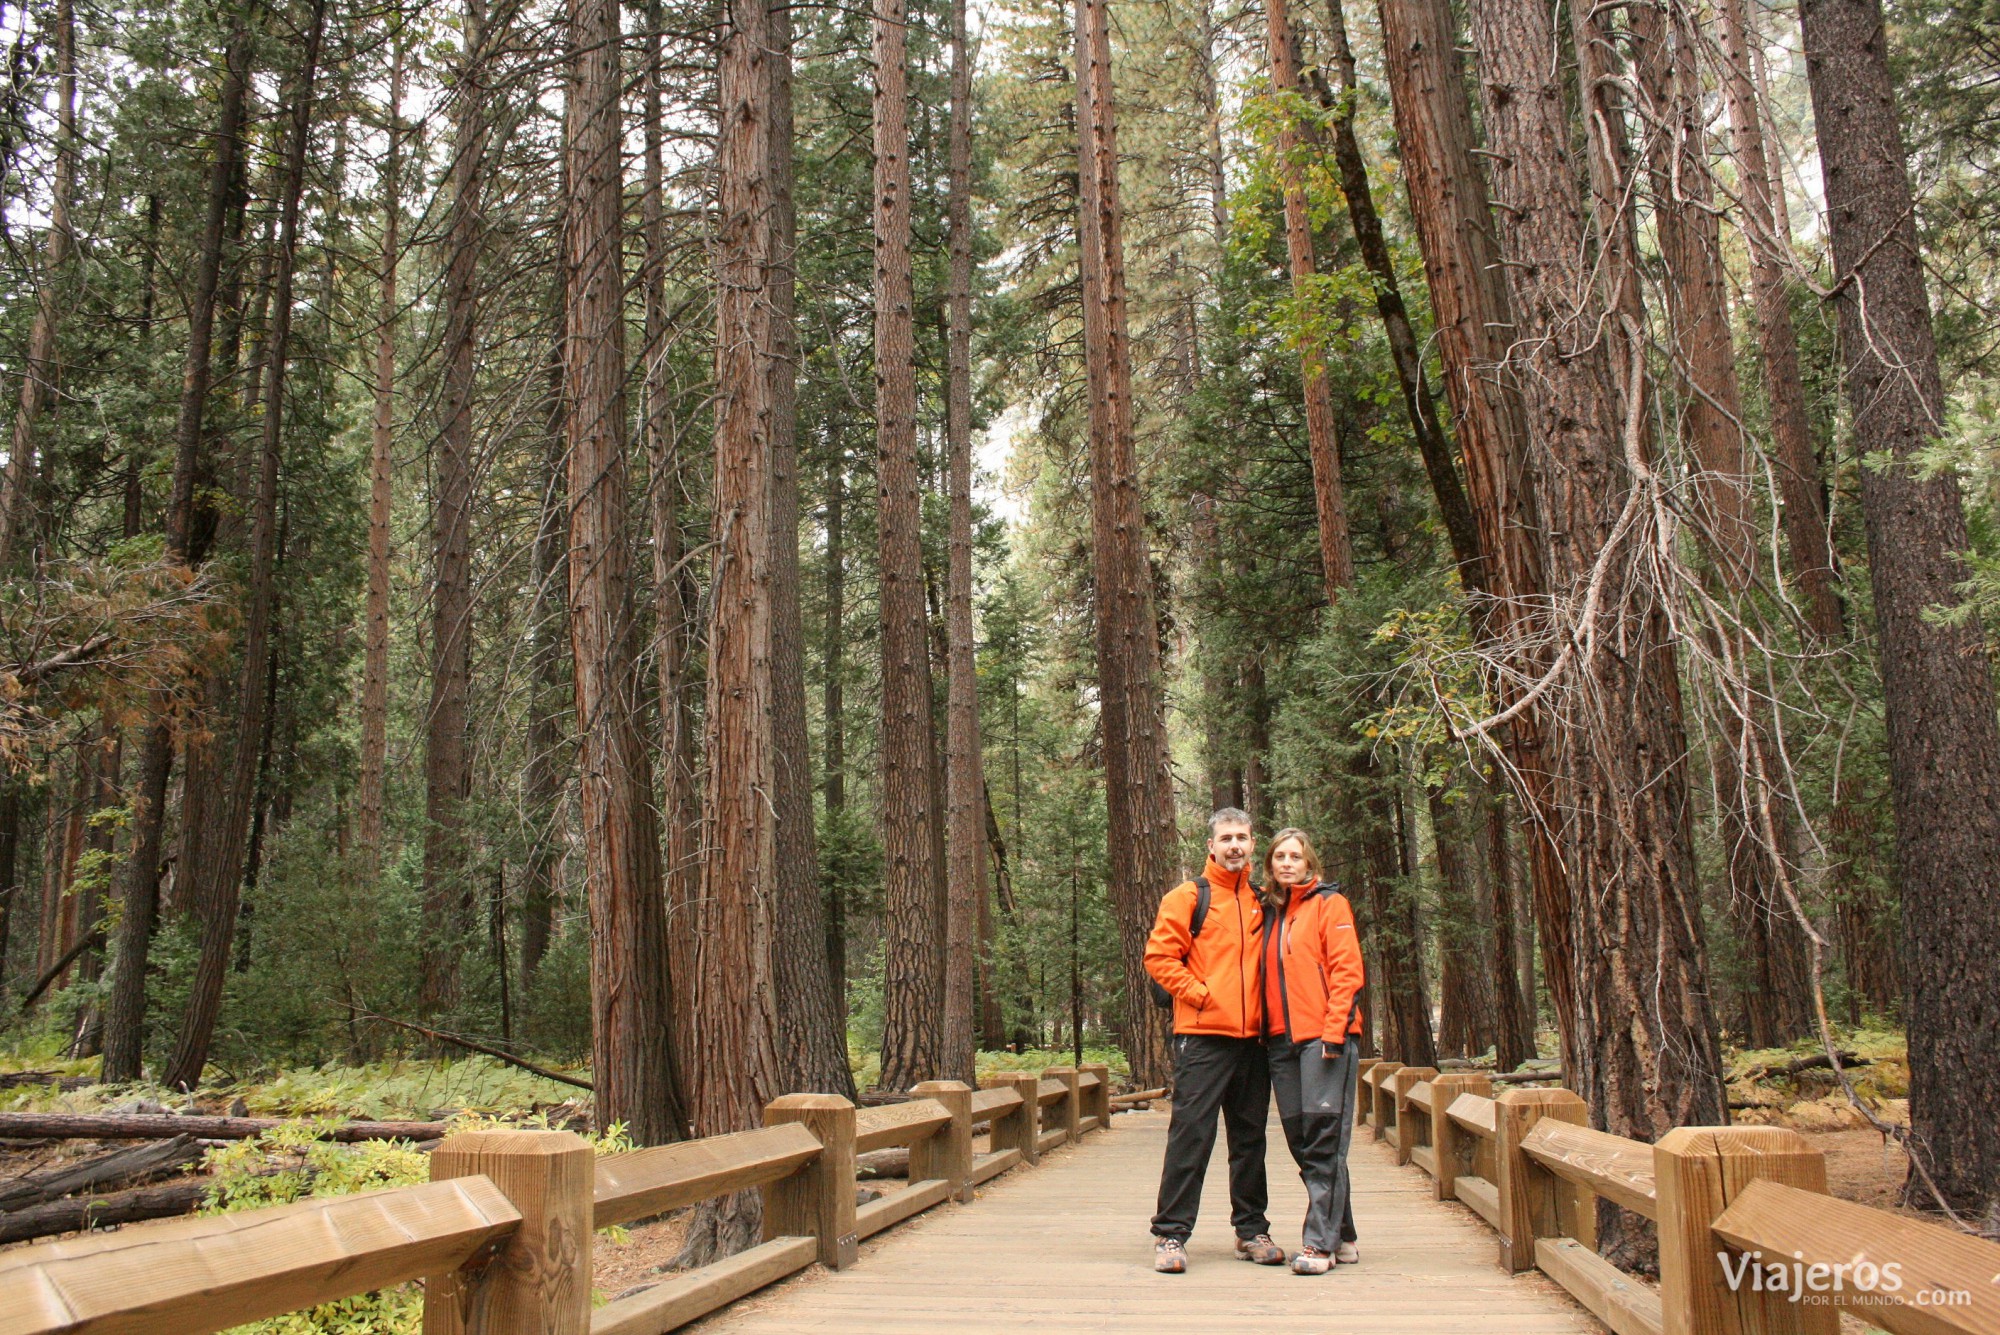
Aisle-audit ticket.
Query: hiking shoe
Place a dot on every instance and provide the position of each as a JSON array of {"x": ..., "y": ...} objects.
[
  {"x": 1169, "y": 1256},
  {"x": 1346, "y": 1254},
  {"x": 1311, "y": 1261},
  {"x": 1260, "y": 1249}
]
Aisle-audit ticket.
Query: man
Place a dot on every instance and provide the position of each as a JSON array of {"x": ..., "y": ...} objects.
[{"x": 1219, "y": 1062}]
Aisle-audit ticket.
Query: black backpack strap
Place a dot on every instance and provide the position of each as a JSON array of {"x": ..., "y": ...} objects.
[{"x": 1200, "y": 914}]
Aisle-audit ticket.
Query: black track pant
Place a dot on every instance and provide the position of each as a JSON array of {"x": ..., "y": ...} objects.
[
  {"x": 1230, "y": 1076},
  {"x": 1316, "y": 1108}
]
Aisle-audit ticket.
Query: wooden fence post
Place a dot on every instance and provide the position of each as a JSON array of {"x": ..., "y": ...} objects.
[
  {"x": 1070, "y": 1107},
  {"x": 818, "y": 1200},
  {"x": 1363, "y": 1091},
  {"x": 1534, "y": 1203},
  {"x": 1097, "y": 1099},
  {"x": 1445, "y": 1135},
  {"x": 1697, "y": 1171},
  {"x": 1020, "y": 1128},
  {"x": 946, "y": 1153},
  {"x": 1379, "y": 1106},
  {"x": 1400, "y": 1086},
  {"x": 539, "y": 1281}
]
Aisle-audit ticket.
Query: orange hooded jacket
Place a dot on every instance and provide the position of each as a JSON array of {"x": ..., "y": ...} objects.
[
  {"x": 1213, "y": 977},
  {"x": 1316, "y": 957}
]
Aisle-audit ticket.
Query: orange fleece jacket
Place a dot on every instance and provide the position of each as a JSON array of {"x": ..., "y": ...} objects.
[
  {"x": 1213, "y": 977},
  {"x": 1318, "y": 958}
]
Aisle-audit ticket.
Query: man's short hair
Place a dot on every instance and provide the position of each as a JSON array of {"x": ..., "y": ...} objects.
[{"x": 1227, "y": 816}]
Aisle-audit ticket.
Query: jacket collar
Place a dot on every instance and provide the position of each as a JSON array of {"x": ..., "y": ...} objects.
[
  {"x": 1304, "y": 890},
  {"x": 1233, "y": 881}
]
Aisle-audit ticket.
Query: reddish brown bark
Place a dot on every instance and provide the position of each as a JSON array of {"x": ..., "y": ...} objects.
[
  {"x": 913, "y": 895},
  {"x": 631, "y": 1054},
  {"x": 1944, "y": 738},
  {"x": 1641, "y": 1022},
  {"x": 1474, "y": 323},
  {"x": 1708, "y": 415},
  {"x": 1808, "y": 543},
  {"x": 1138, "y": 794},
  {"x": 1336, "y": 546},
  {"x": 965, "y": 777},
  {"x": 812, "y": 1033}
]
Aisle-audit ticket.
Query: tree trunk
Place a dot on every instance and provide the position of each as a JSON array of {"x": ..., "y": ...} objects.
[
  {"x": 735, "y": 1064},
  {"x": 543, "y": 773},
  {"x": 447, "y": 885},
  {"x": 1336, "y": 547},
  {"x": 370, "y": 794},
  {"x": 1404, "y": 350},
  {"x": 1466, "y": 1002},
  {"x": 965, "y": 815},
  {"x": 1139, "y": 800},
  {"x": 1641, "y": 1024},
  {"x": 812, "y": 1032},
  {"x": 218, "y": 879},
  {"x": 125, "y": 1009},
  {"x": 673, "y": 597},
  {"x": 632, "y": 1061},
  {"x": 1944, "y": 740},
  {"x": 1756, "y": 832},
  {"x": 833, "y": 715},
  {"x": 38, "y": 378},
  {"x": 1514, "y": 1008},
  {"x": 1470, "y": 307},
  {"x": 1808, "y": 542},
  {"x": 913, "y": 894}
]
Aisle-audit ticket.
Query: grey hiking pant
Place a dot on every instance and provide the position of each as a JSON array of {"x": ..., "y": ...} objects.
[{"x": 1316, "y": 1107}]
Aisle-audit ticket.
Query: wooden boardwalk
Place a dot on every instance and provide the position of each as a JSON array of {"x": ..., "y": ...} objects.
[{"x": 1064, "y": 1247}]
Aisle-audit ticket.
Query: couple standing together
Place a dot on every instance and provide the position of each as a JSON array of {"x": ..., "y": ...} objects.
[{"x": 1264, "y": 991}]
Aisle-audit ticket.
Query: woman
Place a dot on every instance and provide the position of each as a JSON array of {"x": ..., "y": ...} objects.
[{"x": 1312, "y": 1023}]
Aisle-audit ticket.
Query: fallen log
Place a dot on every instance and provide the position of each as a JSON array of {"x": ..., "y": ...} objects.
[
  {"x": 1818, "y": 1061},
  {"x": 119, "y": 1207},
  {"x": 878, "y": 1164},
  {"x": 1138, "y": 1096},
  {"x": 121, "y": 1168},
  {"x": 20, "y": 1079},
  {"x": 155, "y": 1126}
]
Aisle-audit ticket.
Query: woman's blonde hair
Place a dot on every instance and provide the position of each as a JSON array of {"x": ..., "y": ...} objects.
[{"x": 1305, "y": 847}]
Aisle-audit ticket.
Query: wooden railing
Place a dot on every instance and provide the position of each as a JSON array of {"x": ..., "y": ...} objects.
[
  {"x": 1726, "y": 1200},
  {"x": 502, "y": 1232}
]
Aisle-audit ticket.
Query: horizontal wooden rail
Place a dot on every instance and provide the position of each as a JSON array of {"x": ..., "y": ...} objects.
[
  {"x": 1472, "y": 1112},
  {"x": 990, "y": 1102},
  {"x": 689, "y": 1297},
  {"x": 1804, "y": 1228},
  {"x": 1420, "y": 1095},
  {"x": 1609, "y": 1165},
  {"x": 894, "y": 1208},
  {"x": 1726, "y": 1200},
  {"x": 986, "y": 1167},
  {"x": 650, "y": 1182},
  {"x": 1621, "y": 1302},
  {"x": 192, "y": 1276},
  {"x": 502, "y": 1233},
  {"x": 897, "y": 1125}
]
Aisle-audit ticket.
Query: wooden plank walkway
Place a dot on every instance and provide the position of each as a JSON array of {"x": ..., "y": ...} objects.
[{"x": 1064, "y": 1247}]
